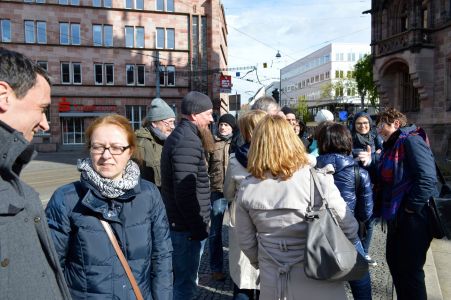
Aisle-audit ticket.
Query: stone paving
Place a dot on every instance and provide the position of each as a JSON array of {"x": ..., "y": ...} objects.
[{"x": 380, "y": 275}]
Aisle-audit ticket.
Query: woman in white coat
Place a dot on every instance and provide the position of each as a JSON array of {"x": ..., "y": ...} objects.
[
  {"x": 244, "y": 275},
  {"x": 270, "y": 213}
]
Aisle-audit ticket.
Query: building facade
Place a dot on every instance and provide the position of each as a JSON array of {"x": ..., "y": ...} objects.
[
  {"x": 411, "y": 48},
  {"x": 114, "y": 56},
  {"x": 324, "y": 77}
]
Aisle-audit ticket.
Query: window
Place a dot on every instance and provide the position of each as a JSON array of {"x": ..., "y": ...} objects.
[
  {"x": 37, "y": 1},
  {"x": 104, "y": 74},
  {"x": 134, "y": 4},
  {"x": 167, "y": 75},
  {"x": 70, "y": 73},
  {"x": 35, "y": 31},
  {"x": 351, "y": 56},
  {"x": 72, "y": 2},
  {"x": 169, "y": 5},
  {"x": 98, "y": 3},
  {"x": 135, "y": 74},
  {"x": 135, "y": 113},
  {"x": 70, "y": 34},
  {"x": 165, "y": 38},
  {"x": 102, "y": 35},
  {"x": 43, "y": 64},
  {"x": 73, "y": 130},
  {"x": 134, "y": 37},
  {"x": 5, "y": 31},
  {"x": 41, "y": 28},
  {"x": 170, "y": 38},
  {"x": 160, "y": 38},
  {"x": 29, "y": 32}
]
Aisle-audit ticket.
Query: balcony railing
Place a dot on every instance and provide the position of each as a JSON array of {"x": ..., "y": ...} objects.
[{"x": 411, "y": 39}]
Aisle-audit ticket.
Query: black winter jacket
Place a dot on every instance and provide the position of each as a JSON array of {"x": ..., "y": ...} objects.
[
  {"x": 185, "y": 185},
  {"x": 87, "y": 257},
  {"x": 360, "y": 202}
]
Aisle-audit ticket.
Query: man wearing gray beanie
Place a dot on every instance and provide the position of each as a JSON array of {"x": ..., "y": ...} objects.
[
  {"x": 157, "y": 126},
  {"x": 185, "y": 189}
]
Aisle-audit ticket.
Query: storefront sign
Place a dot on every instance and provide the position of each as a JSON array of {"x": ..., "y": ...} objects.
[
  {"x": 225, "y": 84},
  {"x": 65, "y": 106}
]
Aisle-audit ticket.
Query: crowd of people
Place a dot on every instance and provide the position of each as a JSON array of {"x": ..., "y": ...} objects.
[{"x": 163, "y": 190}]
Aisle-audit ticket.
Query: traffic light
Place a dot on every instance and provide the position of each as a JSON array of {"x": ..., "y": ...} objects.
[
  {"x": 265, "y": 65},
  {"x": 275, "y": 95}
]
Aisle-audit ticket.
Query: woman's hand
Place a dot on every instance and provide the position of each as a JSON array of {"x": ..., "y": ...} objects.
[{"x": 365, "y": 156}]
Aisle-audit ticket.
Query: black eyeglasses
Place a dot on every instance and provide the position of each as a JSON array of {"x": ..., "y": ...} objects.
[{"x": 114, "y": 150}]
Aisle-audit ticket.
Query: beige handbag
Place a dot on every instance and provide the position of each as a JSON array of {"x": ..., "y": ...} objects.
[{"x": 121, "y": 257}]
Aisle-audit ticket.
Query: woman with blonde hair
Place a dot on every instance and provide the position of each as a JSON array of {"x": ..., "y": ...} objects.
[
  {"x": 243, "y": 274},
  {"x": 271, "y": 208}
]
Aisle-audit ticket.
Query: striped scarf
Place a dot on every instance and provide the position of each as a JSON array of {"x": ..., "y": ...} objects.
[{"x": 391, "y": 170}]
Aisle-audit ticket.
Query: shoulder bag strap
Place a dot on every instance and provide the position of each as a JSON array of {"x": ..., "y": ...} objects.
[
  {"x": 121, "y": 257},
  {"x": 357, "y": 179},
  {"x": 314, "y": 183}
]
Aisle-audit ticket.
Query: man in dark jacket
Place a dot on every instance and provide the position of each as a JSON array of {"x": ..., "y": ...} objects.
[
  {"x": 185, "y": 188},
  {"x": 29, "y": 266}
]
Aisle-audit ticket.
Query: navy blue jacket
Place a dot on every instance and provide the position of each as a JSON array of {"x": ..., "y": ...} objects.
[
  {"x": 185, "y": 185},
  {"x": 90, "y": 265},
  {"x": 360, "y": 202}
]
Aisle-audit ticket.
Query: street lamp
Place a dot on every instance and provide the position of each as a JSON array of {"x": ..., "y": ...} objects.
[
  {"x": 278, "y": 54},
  {"x": 280, "y": 79}
]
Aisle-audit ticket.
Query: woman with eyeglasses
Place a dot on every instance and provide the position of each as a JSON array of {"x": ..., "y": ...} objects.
[
  {"x": 111, "y": 189},
  {"x": 366, "y": 148}
]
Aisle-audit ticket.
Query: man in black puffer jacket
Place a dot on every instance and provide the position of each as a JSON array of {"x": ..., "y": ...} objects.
[{"x": 185, "y": 188}]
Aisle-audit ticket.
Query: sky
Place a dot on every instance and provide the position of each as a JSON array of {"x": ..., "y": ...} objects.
[{"x": 258, "y": 29}]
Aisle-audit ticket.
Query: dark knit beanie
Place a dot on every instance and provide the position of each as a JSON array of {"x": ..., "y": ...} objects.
[
  {"x": 229, "y": 119},
  {"x": 195, "y": 102},
  {"x": 286, "y": 110}
]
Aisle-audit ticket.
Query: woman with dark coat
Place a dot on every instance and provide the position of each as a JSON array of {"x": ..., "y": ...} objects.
[
  {"x": 110, "y": 189},
  {"x": 364, "y": 136},
  {"x": 353, "y": 182},
  {"x": 407, "y": 179}
]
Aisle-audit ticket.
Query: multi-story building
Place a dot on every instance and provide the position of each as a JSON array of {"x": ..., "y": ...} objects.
[
  {"x": 324, "y": 77},
  {"x": 114, "y": 56},
  {"x": 412, "y": 64}
]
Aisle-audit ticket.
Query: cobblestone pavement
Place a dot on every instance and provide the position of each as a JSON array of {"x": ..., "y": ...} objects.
[{"x": 380, "y": 275}]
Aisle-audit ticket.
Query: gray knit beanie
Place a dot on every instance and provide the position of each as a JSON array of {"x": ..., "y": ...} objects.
[
  {"x": 159, "y": 110},
  {"x": 195, "y": 102}
]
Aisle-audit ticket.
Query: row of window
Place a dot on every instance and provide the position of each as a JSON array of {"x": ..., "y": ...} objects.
[
  {"x": 160, "y": 5},
  {"x": 102, "y": 34},
  {"x": 71, "y": 73},
  {"x": 307, "y": 82}
]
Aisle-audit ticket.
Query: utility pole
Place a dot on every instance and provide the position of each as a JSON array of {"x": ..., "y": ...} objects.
[{"x": 157, "y": 73}]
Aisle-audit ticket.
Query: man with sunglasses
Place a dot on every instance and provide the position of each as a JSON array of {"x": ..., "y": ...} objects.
[{"x": 157, "y": 126}]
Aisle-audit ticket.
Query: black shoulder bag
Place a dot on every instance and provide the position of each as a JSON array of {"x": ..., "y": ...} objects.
[{"x": 439, "y": 209}]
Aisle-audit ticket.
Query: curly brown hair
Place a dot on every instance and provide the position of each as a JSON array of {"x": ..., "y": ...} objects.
[{"x": 390, "y": 115}]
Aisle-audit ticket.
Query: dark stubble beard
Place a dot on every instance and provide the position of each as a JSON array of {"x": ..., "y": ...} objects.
[{"x": 207, "y": 139}]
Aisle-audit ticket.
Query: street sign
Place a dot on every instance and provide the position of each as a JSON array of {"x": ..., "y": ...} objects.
[
  {"x": 235, "y": 102},
  {"x": 225, "y": 84}
]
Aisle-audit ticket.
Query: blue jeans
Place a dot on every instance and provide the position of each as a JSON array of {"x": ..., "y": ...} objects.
[
  {"x": 185, "y": 263},
  {"x": 369, "y": 225},
  {"x": 218, "y": 207},
  {"x": 361, "y": 289},
  {"x": 243, "y": 294}
]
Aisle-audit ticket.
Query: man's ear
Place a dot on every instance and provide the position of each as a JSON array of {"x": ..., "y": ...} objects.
[{"x": 5, "y": 91}]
